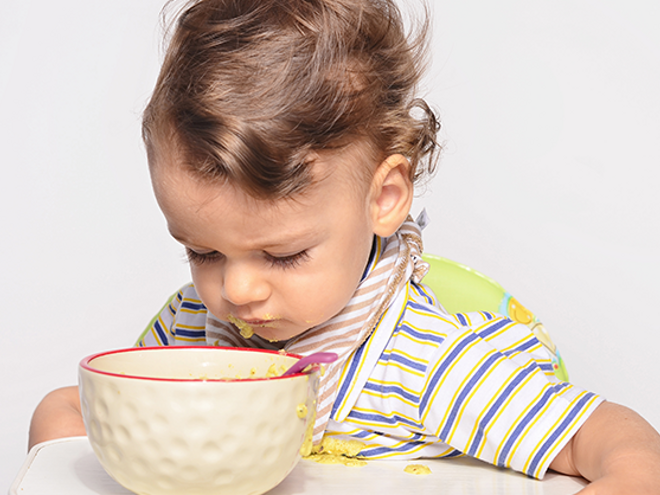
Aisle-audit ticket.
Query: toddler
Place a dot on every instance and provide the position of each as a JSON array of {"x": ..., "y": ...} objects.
[{"x": 284, "y": 142}]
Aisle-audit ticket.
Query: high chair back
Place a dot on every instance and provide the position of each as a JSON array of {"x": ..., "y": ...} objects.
[{"x": 460, "y": 289}]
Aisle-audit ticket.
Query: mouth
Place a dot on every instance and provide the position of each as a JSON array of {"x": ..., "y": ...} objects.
[
  {"x": 246, "y": 326},
  {"x": 260, "y": 323}
]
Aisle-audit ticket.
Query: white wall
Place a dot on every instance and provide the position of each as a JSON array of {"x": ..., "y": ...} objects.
[{"x": 548, "y": 183}]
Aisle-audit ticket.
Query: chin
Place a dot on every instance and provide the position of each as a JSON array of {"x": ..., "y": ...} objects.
[{"x": 277, "y": 335}]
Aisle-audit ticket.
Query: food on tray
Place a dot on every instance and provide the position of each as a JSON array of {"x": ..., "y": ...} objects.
[
  {"x": 417, "y": 469},
  {"x": 336, "y": 451}
]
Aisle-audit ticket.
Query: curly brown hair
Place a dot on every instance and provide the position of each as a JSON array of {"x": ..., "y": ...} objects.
[{"x": 250, "y": 89}]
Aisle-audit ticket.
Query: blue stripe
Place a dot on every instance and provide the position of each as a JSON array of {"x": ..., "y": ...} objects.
[
  {"x": 443, "y": 367},
  {"x": 559, "y": 431},
  {"x": 388, "y": 389},
  {"x": 381, "y": 419},
  {"x": 161, "y": 333},
  {"x": 531, "y": 342},
  {"x": 497, "y": 324},
  {"x": 522, "y": 425},
  {"x": 455, "y": 453},
  {"x": 362, "y": 434},
  {"x": 462, "y": 319},
  {"x": 476, "y": 377},
  {"x": 425, "y": 308},
  {"x": 386, "y": 450},
  {"x": 392, "y": 356},
  {"x": 191, "y": 333},
  {"x": 421, "y": 290},
  {"x": 426, "y": 336},
  {"x": 192, "y": 306},
  {"x": 349, "y": 378},
  {"x": 496, "y": 406},
  {"x": 546, "y": 367}
]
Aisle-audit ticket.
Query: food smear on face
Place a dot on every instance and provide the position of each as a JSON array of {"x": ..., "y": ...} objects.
[
  {"x": 336, "y": 451},
  {"x": 246, "y": 330},
  {"x": 419, "y": 469}
]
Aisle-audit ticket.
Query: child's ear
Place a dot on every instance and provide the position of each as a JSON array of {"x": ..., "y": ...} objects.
[{"x": 391, "y": 195}]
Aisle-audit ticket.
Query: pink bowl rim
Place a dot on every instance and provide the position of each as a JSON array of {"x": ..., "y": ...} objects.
[{"x": 86, "y": 363}]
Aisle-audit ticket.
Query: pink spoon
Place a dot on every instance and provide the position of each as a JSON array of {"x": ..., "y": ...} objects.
[{"x": 315, "y": 358}]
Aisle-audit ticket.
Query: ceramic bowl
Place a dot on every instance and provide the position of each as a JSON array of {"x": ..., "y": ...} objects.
[{"x": 197, "y": 420}]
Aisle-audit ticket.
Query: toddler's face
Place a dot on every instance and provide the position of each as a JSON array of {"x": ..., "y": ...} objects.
[{"x": 280, "y": 267}]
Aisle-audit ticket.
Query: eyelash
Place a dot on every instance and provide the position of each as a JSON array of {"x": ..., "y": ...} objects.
[
  {"x": 201, "y": 258},
  {"x": 288, "y": 261},
  {"x": 280, "y": 262}
]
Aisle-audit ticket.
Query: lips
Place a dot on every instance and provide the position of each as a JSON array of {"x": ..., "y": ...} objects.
[{"x": 258, "y": 322}]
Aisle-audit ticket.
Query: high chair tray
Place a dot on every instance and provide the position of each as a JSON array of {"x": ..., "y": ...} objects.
[{"x": 69, "y": 467}]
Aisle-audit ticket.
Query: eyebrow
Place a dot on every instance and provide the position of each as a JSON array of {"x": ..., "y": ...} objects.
[{"x": 287, "y": 239}]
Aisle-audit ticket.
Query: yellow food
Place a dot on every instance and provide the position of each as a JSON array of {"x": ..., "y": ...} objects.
[
  {"x": 306, "y": 447},
  {"x": 336, "y": 459},
  {"x": 245, "y": 329},
  {"x": 350, "y": 448},
  {"x": 417, "y": 469},
  {"x": 336, "y": 451},
  {"x": 301, "y": 411}
]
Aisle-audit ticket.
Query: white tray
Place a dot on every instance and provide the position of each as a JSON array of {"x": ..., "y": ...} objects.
[{"x": 69, "y": 467}]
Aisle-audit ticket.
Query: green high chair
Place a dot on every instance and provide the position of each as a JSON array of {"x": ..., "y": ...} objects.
[{"x": 460, "y": 289}]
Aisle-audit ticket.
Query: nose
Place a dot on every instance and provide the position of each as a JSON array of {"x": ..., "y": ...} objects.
[{"x": 244, "y": 284}]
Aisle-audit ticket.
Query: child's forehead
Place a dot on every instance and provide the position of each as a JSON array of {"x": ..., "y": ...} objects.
[{"x": 351, "y": 166}]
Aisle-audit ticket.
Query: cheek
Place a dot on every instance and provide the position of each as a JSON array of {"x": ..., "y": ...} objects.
[
  {"x": 322, "y": 296},
  {"x": 208, "y": 287}
]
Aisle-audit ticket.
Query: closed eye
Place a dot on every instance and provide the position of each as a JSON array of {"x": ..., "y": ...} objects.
[
  {"x": 200, "y": 258},
  {"x": 291, "y": 261}
]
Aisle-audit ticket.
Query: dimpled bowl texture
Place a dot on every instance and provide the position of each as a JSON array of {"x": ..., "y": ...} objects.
[{"x": 190, "y": 420}]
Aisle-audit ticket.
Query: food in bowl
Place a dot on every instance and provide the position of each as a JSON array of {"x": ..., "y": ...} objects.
[{"x": 167, "y": 420}]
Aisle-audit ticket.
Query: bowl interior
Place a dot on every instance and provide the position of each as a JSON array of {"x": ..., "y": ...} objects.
[{"x": 191, "y": 363}]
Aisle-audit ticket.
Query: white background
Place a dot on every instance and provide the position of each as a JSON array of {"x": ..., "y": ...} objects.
[{"x": 549, "y": 183}]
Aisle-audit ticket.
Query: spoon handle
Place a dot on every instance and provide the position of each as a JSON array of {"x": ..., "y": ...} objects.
[{"x": 315, "y": 358}]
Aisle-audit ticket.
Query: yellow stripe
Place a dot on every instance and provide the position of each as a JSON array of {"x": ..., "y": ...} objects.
[
  {"x": 529, "y": 427},
  {"x": 394, "y": 383},
  {"x": 568, "y": 430},
  {"x": 418, "y": 341},
  {"x": 425, "y": 331},
  {"x": 504, "y": 407},
  {"x": 389, "y": 395},
  {"x": 441, "y": 318},
  {"x": 441, "y": 360},
  {"x": 499, "y": 333},
  {"x": 412, "y": 358},
  {"x": 364, "y": 356},
  {"x": 518, "y": 343},
  {"x": 191, "y": 327},
  {"x": 447, "y": 452},
  {"x": 380, "y": 425},
  {"x": 514, "y": 424},
  {"x": 193, "y": 311},
  {"x": 407, "y": 370},
  {"x": 459, "y": 390},
  {"x": 155, "y": 334},
  {"x": 485, "y": 409},
  {"x": 392, "y": 455},
  {"x": 189, "y": 339}
]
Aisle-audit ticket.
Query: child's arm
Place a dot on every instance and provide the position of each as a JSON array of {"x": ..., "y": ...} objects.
[
  {"x": 57, "y": 415},
  {"x": 617, "y": 450}
]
